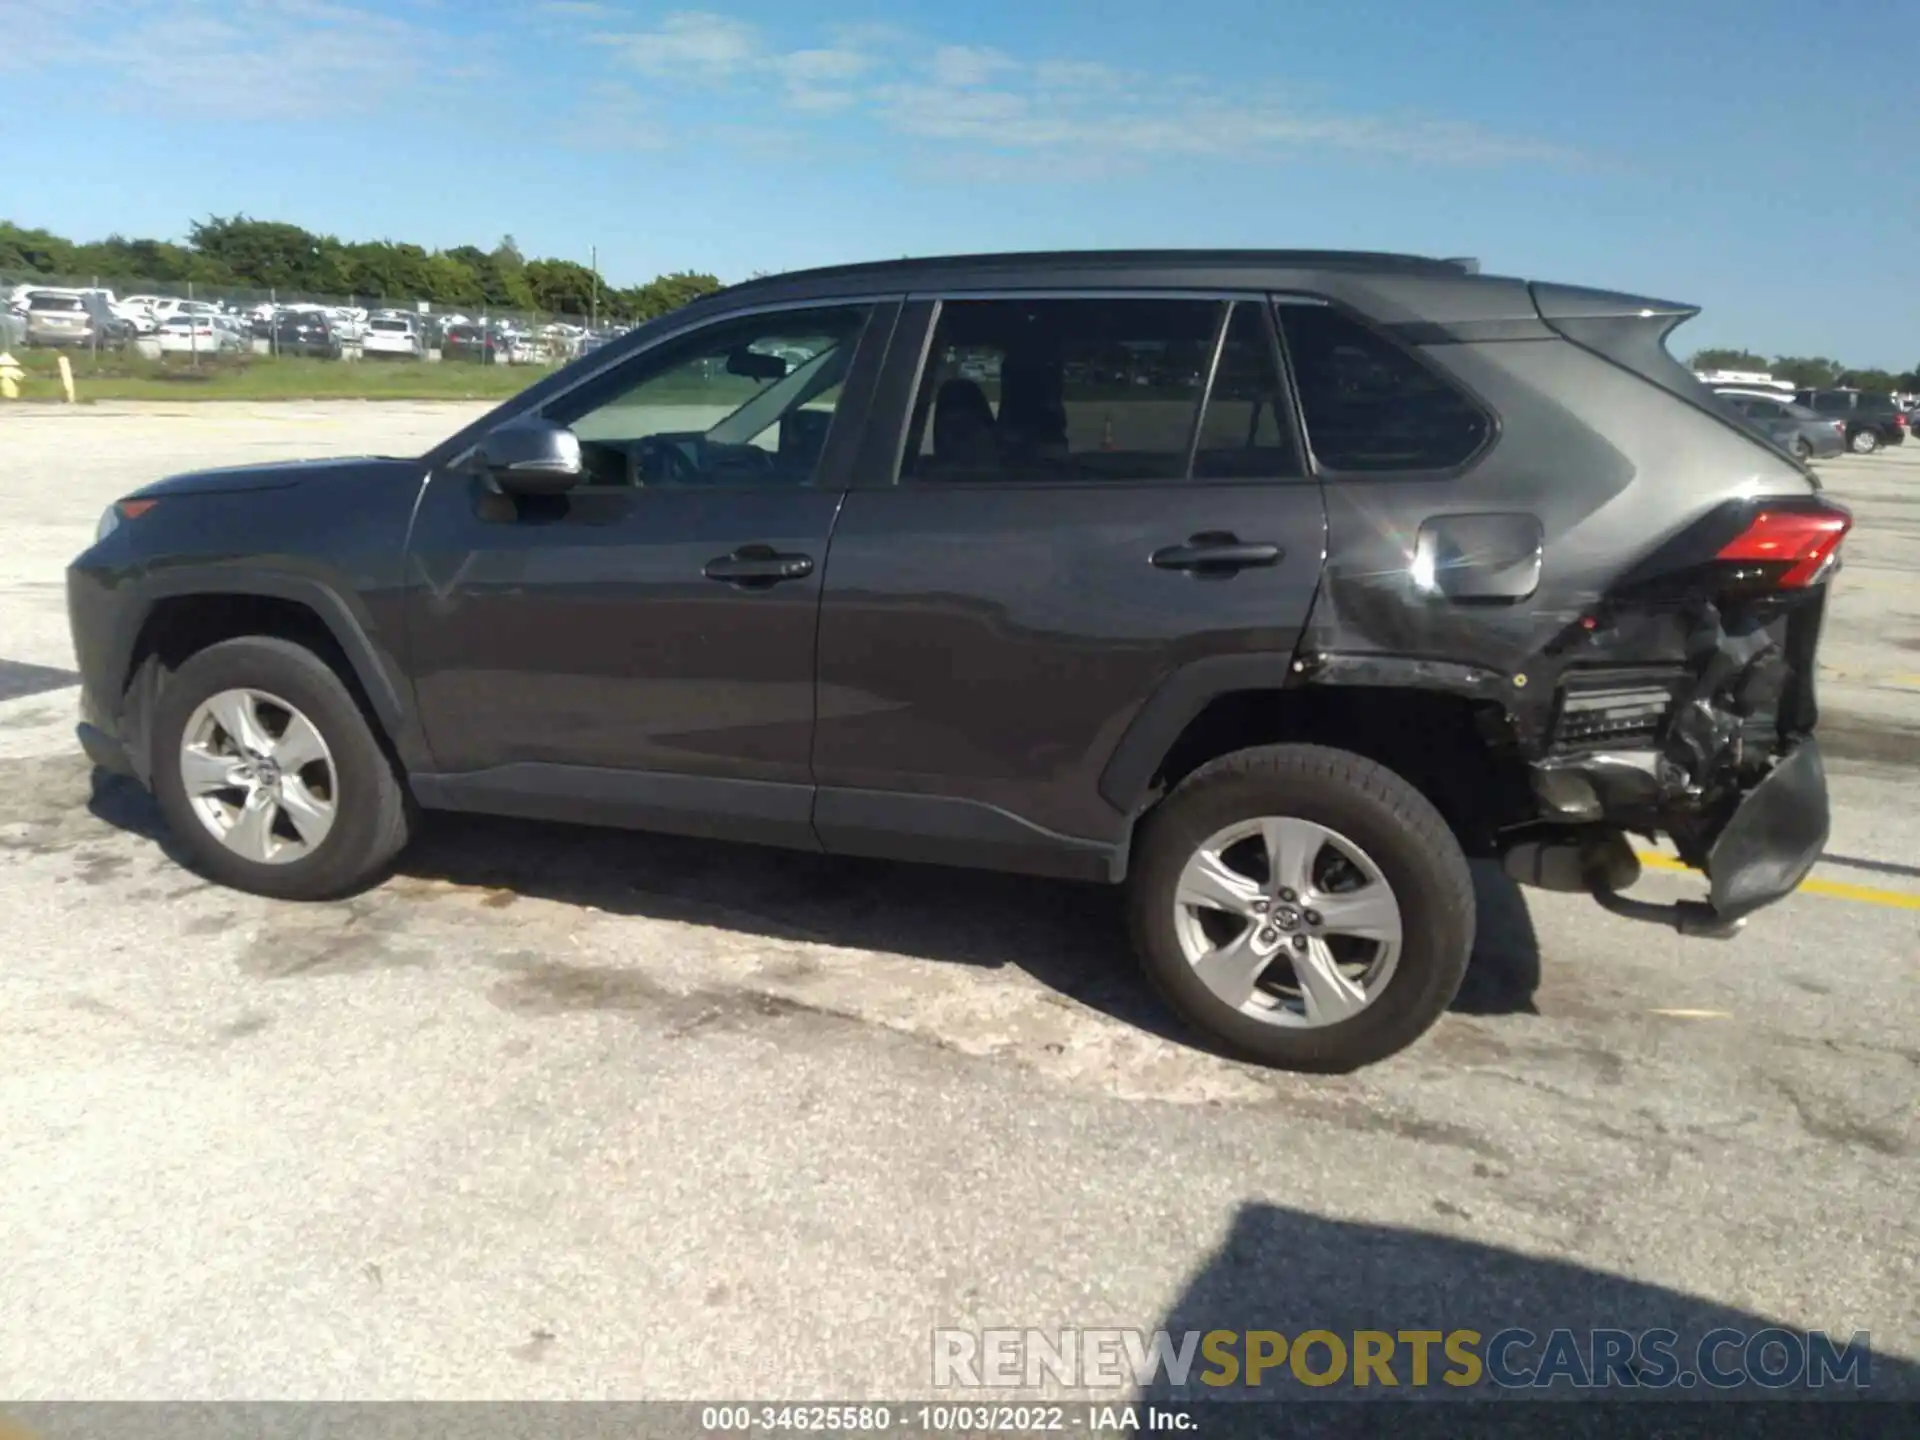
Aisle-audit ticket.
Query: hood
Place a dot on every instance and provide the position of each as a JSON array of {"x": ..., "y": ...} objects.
[{"x": 235, "y": 479}]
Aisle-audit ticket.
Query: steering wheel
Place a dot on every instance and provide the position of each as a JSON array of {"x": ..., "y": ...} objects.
[{"x": 662, "y": 457}]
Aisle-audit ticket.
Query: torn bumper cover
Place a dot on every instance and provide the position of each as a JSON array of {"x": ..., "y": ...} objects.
[
  {"x": 1757, "y": 848},
  {"x": 1774, "y": 837}
]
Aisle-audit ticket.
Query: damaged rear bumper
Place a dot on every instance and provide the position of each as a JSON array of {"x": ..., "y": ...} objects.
[
  {"x": 1775, "y": 836},
  {"x": 1754, "y": 850}
]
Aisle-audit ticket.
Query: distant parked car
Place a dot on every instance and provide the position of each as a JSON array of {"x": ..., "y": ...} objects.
[
  {"x": 1871, "y": 417},
  {"x": 1807, "y": 433},
  {"x": 595, "y": 339},
  {"x": 526, "y": 350},
  {"x": 483, "y": 344},
  {"x": 71, "y": 318},
  {"x": 194, "y": 335},
  {"x": 391, "y": 335},
  {"x": 306, "y": 332}
]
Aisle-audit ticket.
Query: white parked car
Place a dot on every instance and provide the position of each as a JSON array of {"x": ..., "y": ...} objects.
[
  {"x": 195, "y": 334},
  {"x": 391, "y": 335}
]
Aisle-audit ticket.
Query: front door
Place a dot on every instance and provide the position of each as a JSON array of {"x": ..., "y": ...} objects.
[
  {"x": 1063, "y": 528},
  {"x": 641, "y": 648}
]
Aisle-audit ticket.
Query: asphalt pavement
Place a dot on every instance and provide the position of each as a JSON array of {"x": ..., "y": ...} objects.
[{"x": 563, "y": 1113}]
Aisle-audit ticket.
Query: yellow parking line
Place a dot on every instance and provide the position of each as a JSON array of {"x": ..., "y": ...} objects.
[{"x": 1834, "y": 889}]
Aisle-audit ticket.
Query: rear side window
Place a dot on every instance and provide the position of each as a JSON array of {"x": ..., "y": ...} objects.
[
  {"x": 1045, "y": 391},
  {"x": 1833, "y": 403},
  {"x": 1371, "y": 406}
]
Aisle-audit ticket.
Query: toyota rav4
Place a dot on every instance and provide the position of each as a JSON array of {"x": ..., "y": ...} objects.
[{"x": 1275, "y": 585}]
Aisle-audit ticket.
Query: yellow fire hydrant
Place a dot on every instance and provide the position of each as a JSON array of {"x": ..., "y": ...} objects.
[{"x": 10, "y": 377}]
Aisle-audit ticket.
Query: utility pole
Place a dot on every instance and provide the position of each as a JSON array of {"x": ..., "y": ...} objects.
[{"x": 593, "y": 308}]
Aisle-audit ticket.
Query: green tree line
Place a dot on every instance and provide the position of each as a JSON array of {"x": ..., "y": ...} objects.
[
  {"x": 273, "y": 255},
  {"x": 1814, "y": 372}
]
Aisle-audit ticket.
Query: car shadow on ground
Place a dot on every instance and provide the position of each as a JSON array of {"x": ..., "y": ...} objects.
[
  {"x": 1290, "y": 1272},
  {"x": 1069, "y": 937}
]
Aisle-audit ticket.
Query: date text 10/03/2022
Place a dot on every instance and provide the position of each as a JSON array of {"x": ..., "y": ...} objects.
[{"x": 946, "y": 1419}]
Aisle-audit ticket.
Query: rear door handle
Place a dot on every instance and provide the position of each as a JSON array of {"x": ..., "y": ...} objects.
[
  {"x": 1218, "y": 552},
  {"x": 757, "y": 567}
]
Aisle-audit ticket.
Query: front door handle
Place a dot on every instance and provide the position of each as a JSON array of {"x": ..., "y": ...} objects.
[
  {"x": 1217, "y": 552},
  {"x": 755, "y": 567}
]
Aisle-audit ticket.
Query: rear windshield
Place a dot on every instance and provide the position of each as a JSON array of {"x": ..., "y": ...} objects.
[
  {"x": 56, "y": 302},
  {"x": 399, "y": 326}
]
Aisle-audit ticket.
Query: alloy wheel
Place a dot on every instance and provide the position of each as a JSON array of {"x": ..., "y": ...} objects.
[
  {"x": 1288, "y": 921},
  {"x": 259, "y": 775}
]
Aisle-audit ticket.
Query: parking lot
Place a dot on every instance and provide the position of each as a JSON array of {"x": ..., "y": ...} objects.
[{"x": 568, "y": 1113}]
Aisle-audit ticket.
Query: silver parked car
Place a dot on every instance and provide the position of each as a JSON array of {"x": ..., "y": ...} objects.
[{"x": 1808, "y": 434}]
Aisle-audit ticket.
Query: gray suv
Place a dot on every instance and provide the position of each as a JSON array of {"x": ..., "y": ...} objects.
[{"x": 1273, "y": 585}]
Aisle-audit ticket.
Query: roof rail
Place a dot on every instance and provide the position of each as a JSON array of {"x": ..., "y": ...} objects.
[{"x": 1366, "y": 260}]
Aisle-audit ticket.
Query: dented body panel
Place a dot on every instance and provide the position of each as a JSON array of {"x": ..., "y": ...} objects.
[{"x": 1634, "y": 693}]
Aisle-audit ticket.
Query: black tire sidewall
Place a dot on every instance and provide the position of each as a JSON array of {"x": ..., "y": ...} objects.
[
  {"x": 1381, "y": 813},
  {"x": 303, "y": 680}
]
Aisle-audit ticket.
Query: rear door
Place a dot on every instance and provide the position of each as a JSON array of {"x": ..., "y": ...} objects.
[{"x": 1046, "y": 525}]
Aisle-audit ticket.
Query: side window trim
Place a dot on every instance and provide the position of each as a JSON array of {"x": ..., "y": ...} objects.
[
  {"x": 1311, "y": 459},
  {"x": 1289, "y": 417},
  {"x": 1198, "y": 426}
]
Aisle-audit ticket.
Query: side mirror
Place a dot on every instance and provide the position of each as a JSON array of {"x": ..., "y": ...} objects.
[{"x": 532, "y": 457}]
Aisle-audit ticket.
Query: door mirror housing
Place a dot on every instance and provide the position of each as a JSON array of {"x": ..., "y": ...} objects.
[{"x": 532, "y": 457}]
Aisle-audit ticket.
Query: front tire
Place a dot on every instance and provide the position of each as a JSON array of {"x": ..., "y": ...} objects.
[
  {"x": 270, "y": 776},
  {"x": 1306, "y": 907}
]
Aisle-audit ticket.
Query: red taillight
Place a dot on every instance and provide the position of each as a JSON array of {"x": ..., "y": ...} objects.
[
  {"x": 1798, "y": 544},
  {"x": 134, "y": 509},
  {"x": 1899, "y": 420}
]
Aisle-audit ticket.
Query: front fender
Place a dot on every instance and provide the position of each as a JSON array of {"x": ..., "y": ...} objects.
[{"x": 345, "y": 616}]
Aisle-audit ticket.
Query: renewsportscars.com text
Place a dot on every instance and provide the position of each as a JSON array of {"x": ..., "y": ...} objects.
[{"x": 1509, "y": 1359}]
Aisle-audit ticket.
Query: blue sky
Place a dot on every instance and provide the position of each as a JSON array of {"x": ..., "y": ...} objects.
[{"x": 1759, "y": 159}]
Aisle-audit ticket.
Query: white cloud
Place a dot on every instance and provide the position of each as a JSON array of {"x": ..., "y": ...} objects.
[
  {"x": 322, "y": 59},
  {"x": 612, "y": 116},
  {"x": 258, "y": 59},
  {"x": 961, "y": 66},
  {"x": 1075, "y": 75},
  {"x": 808, "y": 66},
  {"x": 691, "y": 44}
]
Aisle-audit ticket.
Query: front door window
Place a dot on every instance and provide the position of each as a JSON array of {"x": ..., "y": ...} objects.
[{"x": 747, "y": 402}]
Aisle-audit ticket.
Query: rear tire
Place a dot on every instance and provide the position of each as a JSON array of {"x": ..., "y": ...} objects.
[
  {"x": 1864, "y": 442},
  {"x": 1803, "y": 452},
  {"x": 333, "y": 821},
  {"x": 1377, "y": 827}
]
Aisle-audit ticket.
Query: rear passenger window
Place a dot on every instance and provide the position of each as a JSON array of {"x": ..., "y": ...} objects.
[
  {"x": 1369, "y": 405},
  {"x": 1039, "y": 391},
  {"x": 1244, "y": 434}
]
